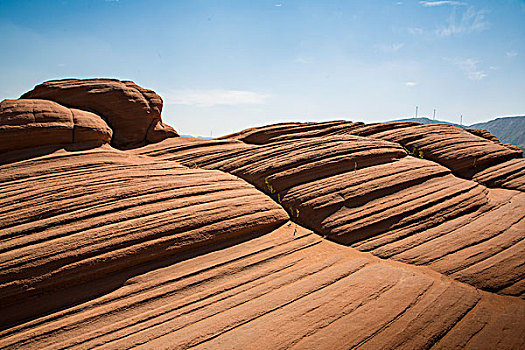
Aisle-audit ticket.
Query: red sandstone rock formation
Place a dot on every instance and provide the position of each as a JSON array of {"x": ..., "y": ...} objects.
[
  {"x": 130, "y": 110},
  {"x": 32, "y": 123},
  {"x": 114, "y": 211},
  {"x": 286, "y": 289},
  {"x": 369, "y": 194},
  {"x": 229, "y": 243},
  {"x": 464, "y": 153}
]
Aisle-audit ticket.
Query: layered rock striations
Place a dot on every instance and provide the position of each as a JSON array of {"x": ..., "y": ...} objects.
[
  {"x": 33, "y": 123},
  {"x": 370, "y": 194},
  {"x": 134, "y": 113},
  {"x": 114, "y": 211},
  {"x": 286, "y": 289},
  {"x": 465, "y": 152},
  {"x": 259, "y": 239}
]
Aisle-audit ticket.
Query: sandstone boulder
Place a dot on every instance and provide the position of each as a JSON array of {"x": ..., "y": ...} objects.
[
  {"x": 134, "y": 113},
  {"x": 32, "y": 123}
]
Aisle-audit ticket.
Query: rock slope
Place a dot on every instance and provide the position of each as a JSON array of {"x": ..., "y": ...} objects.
[
  {"x": 464, "y": 153},
  {"x": 286, "y": 289},
  {"x": 368, "y": 193},
  {"x": 299, "y": 235},
  {"x": 113, "y": 212}
]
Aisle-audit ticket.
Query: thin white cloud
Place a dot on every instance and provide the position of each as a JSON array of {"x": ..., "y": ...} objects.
[
  {"x": 415, "y": 31},
  {"x": 477, "y": 75},
  {"x": 511, "y": 54},
  {"x": 209, "y": 98},
  {"x": 304, "y": 60},
  {"x": 470, "y": 21},
  {"x": 396, "y": 47},
  {"x": 470, "y": 67},
  {"x": 441, "y": 3},
  {"x": 399, "y": 3},
  {"x": 410, "y": 83},
  {"x": 278, "y": 5},
  {"x": 390, "y": 48}
]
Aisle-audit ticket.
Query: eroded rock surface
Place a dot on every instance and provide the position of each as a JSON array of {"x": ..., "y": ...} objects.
[
  {"x": 134, "y": 113},
  {"x": 72, "y": 219},
  {"x": 368, "y": 193},
  {"x": 465, "y": 152},
  {"x": 509, "y": 174},
  {"x": 460, "y": 151},
  {"x": 33, "y": 123},
  {"x": 286, "y": 289},
  {"x": 187, "y": 242}
]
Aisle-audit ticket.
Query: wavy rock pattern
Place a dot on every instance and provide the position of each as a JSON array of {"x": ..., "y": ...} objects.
[
  {"x": 458, "y": 149},
  {"x": 462, "y": 152},
  {"x": 367, "y": 193},
  {"x": 75, "y": 218},
  {"x": 130, "y": 110},
  {"x": 465, "y": 152},
  {"x": 509, "y": 174},
  {"x": 286, "y": 289},
  {"x": 171, "y": 245},
  {"x": 33, "y": 123}
]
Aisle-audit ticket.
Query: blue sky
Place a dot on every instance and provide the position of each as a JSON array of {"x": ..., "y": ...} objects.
[{"x": 222, "y": 66}]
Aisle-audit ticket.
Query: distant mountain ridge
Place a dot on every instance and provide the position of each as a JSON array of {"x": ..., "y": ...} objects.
[{"x": 506, "y": 129}]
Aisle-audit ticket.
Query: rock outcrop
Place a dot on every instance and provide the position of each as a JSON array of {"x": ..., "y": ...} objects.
[
  {"x": 509, "y": 174},
  {"x": 368, "y": 193},
  {"x": 464, "y": 153},
  {"x": 286, "y": 289},
  {"x": 115, "y": 211},
  {"x": 460, "y": 151},
  {"x": 297, "y": 235},
  {"x": 134, "y": 113},
  {"x": 33, "y": 123}
]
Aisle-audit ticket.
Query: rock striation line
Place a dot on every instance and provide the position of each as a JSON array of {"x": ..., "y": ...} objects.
[
  {"x": 368, "y": 193},
  {"x": 285, "y": 289},
  {"x": 74, "y": 218}
]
